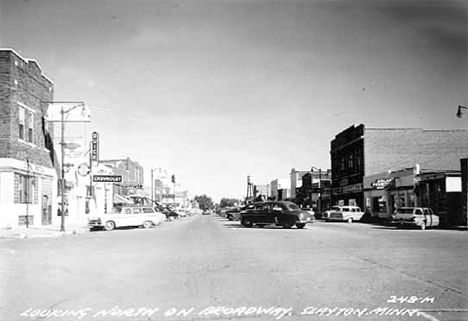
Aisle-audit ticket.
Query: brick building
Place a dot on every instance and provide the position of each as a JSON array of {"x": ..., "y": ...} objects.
[
  {"x": 315, "y": 190},
  {"x": 296, "y": 181},
  {"x": 359, "y": 151},
  {"x": 27, "y": 158},
  {"x": 132, "y": 176}
]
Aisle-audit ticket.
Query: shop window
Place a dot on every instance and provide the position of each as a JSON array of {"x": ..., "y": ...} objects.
[
  {"x": 22, "y": 123},
  {"x": 402, "y": 201},
  {"x": 26, "y": 189}
]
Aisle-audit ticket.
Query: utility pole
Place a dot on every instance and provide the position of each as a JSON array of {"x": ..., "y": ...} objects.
[{"x": 320, "y": 190}]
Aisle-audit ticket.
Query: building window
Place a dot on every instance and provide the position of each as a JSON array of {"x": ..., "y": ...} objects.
[
  {"x": 25, "y": 191},
  {"x": 30, "y": 127},
  {"x": 22, "y": 123},
  {"x": 358, "y": 161},
  {"x": 351, "y": 162}
]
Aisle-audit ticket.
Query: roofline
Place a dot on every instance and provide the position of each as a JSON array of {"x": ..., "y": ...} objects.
[
  {"x": 421, "y": 129},
  {"x": 28, "y": 60}
]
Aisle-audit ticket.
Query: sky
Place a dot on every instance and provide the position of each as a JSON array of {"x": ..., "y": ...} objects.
[{"x": 216, "y": 90}]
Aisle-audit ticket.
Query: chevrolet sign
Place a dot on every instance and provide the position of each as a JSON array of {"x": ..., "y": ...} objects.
[{"x": 107, "y": 178}]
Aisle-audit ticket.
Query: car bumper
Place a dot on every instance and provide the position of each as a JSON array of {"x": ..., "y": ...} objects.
[
  {"x": 404, "y": 223},
  {"x": 95, "y": 224}
]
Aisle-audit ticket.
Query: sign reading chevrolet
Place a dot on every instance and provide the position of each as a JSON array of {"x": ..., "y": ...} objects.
[{"x": 107, "y": 178}]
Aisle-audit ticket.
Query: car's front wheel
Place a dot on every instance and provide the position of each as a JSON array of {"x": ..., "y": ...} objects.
[
  {"x": 422, "y": 226},
  {"x": 246, "y": 223},
  {"x": 147, "y": 224},
  {"x": 300, "y": 225},
  {"x": 287, "y": 225},
  {"x": 110, "y": 225},
  {"x": 349, "y": 220}
]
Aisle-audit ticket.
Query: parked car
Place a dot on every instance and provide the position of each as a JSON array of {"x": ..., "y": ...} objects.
[
  {"x": 233, "y": 214},
  {"x": 223, "y": 211},
  {"x": 280, "y": 213},
  {"x": 326, "y": 214},
  {"x": 123, "y": 216},
  {"x": 347, "y": 213},
  {"x": 421, "y": 217},
  {"x": 166, "y": 210}
]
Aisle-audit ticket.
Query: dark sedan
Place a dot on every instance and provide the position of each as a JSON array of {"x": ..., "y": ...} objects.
[{"x": 280, "y": 213}]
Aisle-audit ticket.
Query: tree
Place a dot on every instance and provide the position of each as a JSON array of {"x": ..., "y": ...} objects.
[
  {"x": 205, "y": 202},
  {"x": 228, "y": 202}
]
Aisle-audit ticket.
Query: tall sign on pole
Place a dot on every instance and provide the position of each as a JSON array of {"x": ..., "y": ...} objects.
[{"x": 95, "y": 149}]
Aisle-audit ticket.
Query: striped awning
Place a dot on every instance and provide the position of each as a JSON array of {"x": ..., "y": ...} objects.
[{"x": 119, "y": 199}]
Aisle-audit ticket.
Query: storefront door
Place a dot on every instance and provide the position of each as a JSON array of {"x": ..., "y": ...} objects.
[{"x": 46, "y": 210}]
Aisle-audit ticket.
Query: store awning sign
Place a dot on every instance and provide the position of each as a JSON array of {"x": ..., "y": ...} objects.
[{"x": 381, "y": 183}]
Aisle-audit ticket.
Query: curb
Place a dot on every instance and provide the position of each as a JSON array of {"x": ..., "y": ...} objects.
[{"x": 42, "y": 235}]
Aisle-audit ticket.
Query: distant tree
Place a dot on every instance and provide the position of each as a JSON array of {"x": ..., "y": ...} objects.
[
  {"x": 228, "y": 202},
  {"x": 205, "y": 202}
]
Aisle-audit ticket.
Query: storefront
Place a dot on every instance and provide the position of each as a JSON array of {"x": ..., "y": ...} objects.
[
  {"x": 386, "y": 191},
  {"x": 439, "y": 190},
  {"x": 348, "y": 195},
  {"x": 26, "y": 194}
]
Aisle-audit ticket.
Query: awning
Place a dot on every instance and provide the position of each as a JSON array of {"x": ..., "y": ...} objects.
[{"x": 119, "y": 199}]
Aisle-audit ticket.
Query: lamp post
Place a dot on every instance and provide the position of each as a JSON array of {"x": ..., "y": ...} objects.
[
  {"x": 63, "y": 111},
  {"x": 460, "y": 112}
]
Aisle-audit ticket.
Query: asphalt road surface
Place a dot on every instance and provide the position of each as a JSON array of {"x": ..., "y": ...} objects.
[{"x": 208, "y": 268}]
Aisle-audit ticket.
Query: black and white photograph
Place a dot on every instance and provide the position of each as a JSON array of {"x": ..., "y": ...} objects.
[{"x": 233, "y": 160}]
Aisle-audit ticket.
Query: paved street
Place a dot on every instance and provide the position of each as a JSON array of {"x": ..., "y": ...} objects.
[{"x": 215, "y": 269}]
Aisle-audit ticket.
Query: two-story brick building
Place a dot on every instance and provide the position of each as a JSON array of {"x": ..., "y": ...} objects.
[
  {"x": 132, "y": 176},
  {"x": 359, "y": 151},
  {"x": 27, "y": 158}
]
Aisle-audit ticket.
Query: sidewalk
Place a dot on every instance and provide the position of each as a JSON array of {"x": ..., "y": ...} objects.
[{"x": 42, "y": 231}]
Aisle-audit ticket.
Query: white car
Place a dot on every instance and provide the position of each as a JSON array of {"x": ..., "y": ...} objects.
[
  {"x": 326, "y": 214},
  {"x": 346, "y": 213},
  {"x": 421, "y": 217},
  {"x": 136, "y": 215}
]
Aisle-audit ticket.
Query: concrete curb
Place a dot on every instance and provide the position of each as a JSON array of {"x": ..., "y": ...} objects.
[{"x": 39, "y": 233}]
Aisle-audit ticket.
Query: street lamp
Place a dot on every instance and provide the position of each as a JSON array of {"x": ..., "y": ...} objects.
[
  {"x": 460, "y": 112},
  {"x": 84, "y": 117}
]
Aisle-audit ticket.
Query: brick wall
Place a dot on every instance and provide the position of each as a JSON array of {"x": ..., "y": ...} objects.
[
  {"x": 23, "y": 81},
  {"x": 395, "y": 149}
]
